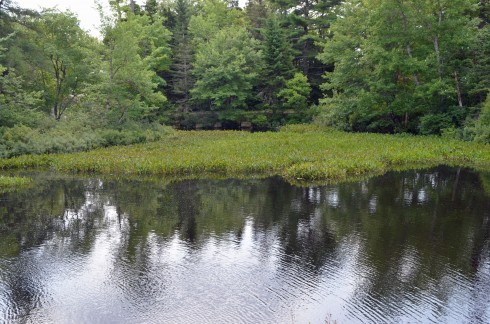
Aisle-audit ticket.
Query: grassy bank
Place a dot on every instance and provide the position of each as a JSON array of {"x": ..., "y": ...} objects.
[{"x": 297, "y": 153}]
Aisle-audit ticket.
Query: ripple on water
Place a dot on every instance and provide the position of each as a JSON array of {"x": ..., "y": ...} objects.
[{"x": 326, "y": 252}]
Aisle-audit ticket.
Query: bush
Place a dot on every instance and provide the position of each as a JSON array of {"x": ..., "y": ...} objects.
[
  {"x": 434, "y": 124},
  {"x": 260, "y": 122},
  {"x": 73, "y": 136},
  {"x": 479, "y": 130}
]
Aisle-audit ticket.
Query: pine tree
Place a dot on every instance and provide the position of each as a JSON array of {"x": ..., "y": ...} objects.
[
  {"x": 257, "y": 12},
  {"x": 309, "y": 22}
]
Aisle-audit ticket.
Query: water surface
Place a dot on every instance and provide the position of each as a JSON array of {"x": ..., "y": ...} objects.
[{"x": 404, "y": 247}]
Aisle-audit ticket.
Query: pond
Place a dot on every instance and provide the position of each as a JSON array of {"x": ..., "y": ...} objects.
[{"x": 404, "y": 247}]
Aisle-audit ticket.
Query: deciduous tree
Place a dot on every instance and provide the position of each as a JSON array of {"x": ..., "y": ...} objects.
[
  {"x": 136, "y": 49},
  {"x": 226, "y": 69},
  {"x": 400, "y": 65}
]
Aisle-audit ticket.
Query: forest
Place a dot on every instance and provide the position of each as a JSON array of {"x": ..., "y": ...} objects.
[{"x": 385, "y": 66}]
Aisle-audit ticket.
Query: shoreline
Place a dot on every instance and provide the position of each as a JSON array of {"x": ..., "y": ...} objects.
[{"x": 299, "y": 153}]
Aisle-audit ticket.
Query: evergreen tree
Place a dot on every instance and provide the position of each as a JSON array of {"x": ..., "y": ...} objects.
[
  {"x": 309, "y": 22},
  {"x": 278, "y": 60},
  {"x": 484, "y": 12},
  {"x": 257, "y": 12},
  {"x": 181, "y": 71}
]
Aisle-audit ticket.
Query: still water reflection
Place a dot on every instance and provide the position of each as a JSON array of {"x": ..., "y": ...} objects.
[{"x": 404, "y": 247}]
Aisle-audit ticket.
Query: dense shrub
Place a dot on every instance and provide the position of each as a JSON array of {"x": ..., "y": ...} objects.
[
  {"x": 73, "y": 136},
  {"x": 434, "y": 124},
  {"x": 481, "y": 130}
]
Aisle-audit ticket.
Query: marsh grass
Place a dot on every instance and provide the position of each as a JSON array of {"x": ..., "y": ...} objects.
[
  {"x": 8, "y": 184},
  {"x": 298, "y": 153}
]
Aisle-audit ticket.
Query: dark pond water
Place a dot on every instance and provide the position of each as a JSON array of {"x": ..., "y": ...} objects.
[{"x": 405, "y": 247}]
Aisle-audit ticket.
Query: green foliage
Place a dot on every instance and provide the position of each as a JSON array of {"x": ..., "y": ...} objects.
[
  {"x": 214, "y": 16},
  {"x": 308, "y": 26},
  {"x": 17, "y": 105},
  {"x": 434, "y": 124},
  {"x": 391, "y": 66},
  {"x": 77, "y": 133},
  {"x": 296, "y": 92},
  {"x": 151, "y": 8},
  {"x": 182, "y": 79},
  {"x": 258, "y": 12},
  {"x": 481, "y": 130},
  {"x": 136, "y": 49},
  {"x": 63, "y": 63},
  {"x": 278, "y": 60},
  {"x": 389, "y": 72},
  {"x": 226, "y": 69},
  {"x": 260, "y": 122},
  {"x": 478, "y": 80},
  {"x": 438, "y": 124}
]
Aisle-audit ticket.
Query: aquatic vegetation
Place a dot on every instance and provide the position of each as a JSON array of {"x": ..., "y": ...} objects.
[
  {"x": 12, "y": 183},
  {"x": 299, "y": 153}
]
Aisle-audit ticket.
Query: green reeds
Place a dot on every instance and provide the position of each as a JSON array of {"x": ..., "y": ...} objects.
[{"x": 305, "y": 153}]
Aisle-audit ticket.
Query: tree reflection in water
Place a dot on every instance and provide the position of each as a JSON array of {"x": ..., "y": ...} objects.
[{"x": 405, "y": 246}]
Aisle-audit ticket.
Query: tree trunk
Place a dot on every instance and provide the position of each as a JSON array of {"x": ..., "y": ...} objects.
[
  {"x": 60, "y": 74},
  {"x": 458, "y": 90},
  {"x": 306, "y": 45},
  {"x": 131, "y": 6},
  {"x": 436, "y": 41},
  {"x": 438, "y": 56},
  {"x": 405, "y": 30}
]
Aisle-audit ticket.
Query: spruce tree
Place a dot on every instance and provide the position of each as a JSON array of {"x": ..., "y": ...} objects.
[
  {"x": 182, "y": 80},
  {"x": 278, "y": 59}
]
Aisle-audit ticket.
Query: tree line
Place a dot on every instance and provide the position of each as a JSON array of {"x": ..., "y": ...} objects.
[{"x": 394, "y": 66}]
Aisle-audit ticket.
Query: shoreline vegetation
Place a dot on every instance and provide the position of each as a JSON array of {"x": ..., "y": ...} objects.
[{"x": 299, "y": 153}]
